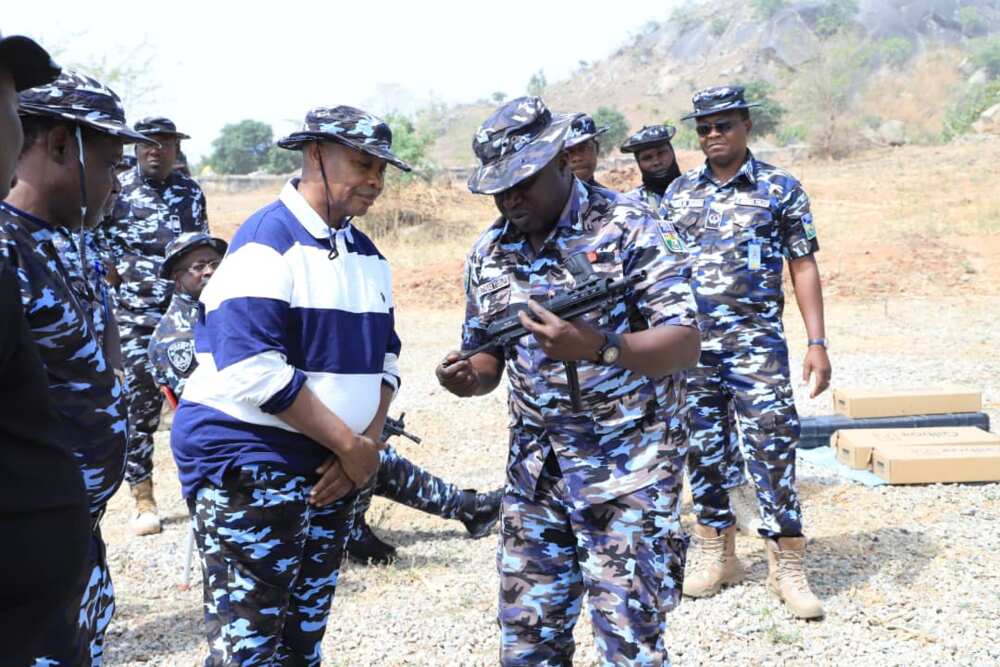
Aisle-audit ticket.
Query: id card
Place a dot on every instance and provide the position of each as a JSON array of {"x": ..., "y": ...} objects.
[{"x": 753, "y": 255}]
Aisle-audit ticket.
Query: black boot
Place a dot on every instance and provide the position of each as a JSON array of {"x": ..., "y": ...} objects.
[
  {"x": 368, "y": 548},
  {"x": 480, "y": 511}
]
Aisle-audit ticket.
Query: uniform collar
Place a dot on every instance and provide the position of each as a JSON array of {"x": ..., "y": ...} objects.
[
  {"x": 307, "y": 217},
  {"x": 34, "y": 222},
  {"x": 747, "y": 171}
]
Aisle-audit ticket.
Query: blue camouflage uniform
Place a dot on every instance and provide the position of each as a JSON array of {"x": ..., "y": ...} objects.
[
  {"x": 591, "y": 504},
  {"x": 150, "y": 214},
  {"x": 740, "y": 233},
  {"x": 67, "y": 305}
]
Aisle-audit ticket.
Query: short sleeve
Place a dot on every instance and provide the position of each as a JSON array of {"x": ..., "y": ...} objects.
[{"x": 795, "y": 223}]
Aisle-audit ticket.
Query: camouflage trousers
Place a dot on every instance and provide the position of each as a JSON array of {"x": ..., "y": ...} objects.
[
  {"x": 751, "y": 383},
  {"x": 402, "y": 481},
  {"x": 144, "y": 402},
  {"x": 270, "y": 563},
  {"x": 627, "y": 555}
]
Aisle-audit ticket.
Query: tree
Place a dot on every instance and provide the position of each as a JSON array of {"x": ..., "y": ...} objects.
[
  {"x": 986, "y": 54},
  {"x": 825, "y": 91},
  {"x": 537, "y": 84},
  {"x": 282, "y": 161},
  {"x": 767, "y": 117},
  {"x": 765, "y": 9},
  {"x": 617, "y": 128},
  {"x": 498, "y": 97},
  {"x": 834, "y": 16},
  {"x": 409, "y": 143},
  {"x": 241, "y": 147}
]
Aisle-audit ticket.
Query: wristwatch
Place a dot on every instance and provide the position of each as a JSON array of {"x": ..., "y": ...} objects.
[
  {"x": 610, "y": 349},
  {"x": 819, "y": 341}
]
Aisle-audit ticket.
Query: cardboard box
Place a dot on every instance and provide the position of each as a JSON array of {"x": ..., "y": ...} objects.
[
  {"x": 937, "y": 463},
  {"x": 864, "y": 402},
  {"x": 854, "y": 447}
]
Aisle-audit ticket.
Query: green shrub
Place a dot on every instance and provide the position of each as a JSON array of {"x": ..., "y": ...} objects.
[
  {"x": 791, "y": 134},
  {"x": 967, "y": 109},
  {"x": 834, "y": 16},
  {"x": 718, "y": 26},
  {"x": 972, "y": 21},
  {"x": 767, "y": 117},
  {"x": 986, "y": 54},
  {"x": 895, "y": 51},
  {"x": 617, "y": 128},
  {"x": 686, "y": 138},
  {"x": 765, "y": 9}
]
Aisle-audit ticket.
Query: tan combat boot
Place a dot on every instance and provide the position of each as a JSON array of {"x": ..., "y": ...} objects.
[
  {"x": 713, "y": 562},
  {"x": 743, "y": 503},
  {"x": 146, "y": 520},
  {"x": 787, "y": 576}
]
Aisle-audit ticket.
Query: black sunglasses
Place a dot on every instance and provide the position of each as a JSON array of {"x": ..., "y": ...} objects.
[{"x": 705, "y": 129}]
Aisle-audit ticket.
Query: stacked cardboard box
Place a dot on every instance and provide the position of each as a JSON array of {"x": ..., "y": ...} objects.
[{"x": 916, "y": 455}]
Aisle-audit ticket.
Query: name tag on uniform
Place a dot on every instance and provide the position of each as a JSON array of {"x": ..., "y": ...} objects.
[
  {"x": 687, "y": 203},
  {"x": 744, "y": 200},
  {"x": 493, "y": 286},
  {"x": 753, "y": 255}
]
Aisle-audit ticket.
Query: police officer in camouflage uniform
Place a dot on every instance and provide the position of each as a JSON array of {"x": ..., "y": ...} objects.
[
  {"x": 741, "y": 218},
  {"x": 654, "y": 155},
  {"x": 591, "y": 503},
  {"x": 162, "y": 203},
  {"x": 190, "y": 262},
  {"x": 403, "y": 481},
  {"x": 582, "y": 148},
  {"x": 74, "y": 129}
]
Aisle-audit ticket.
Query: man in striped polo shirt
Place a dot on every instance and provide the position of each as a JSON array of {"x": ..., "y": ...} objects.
[{"x": 297, "y": 363}]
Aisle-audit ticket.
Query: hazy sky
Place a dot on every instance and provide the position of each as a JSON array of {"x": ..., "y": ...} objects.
[{"x": 218, "y": 62}]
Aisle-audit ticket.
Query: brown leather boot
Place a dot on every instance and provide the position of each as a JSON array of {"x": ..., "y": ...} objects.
[
  {"x": 712, "y": 562},
  {"x": 786, "y": 577},
  {"x": 146, "y": 520}
]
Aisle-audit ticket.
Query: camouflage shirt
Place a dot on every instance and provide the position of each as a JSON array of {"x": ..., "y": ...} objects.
[
  {"x": 631, "y": 426},
  {"x": 84, "y": 382},
  {"x": 739, "y": 233},
  {"x": 171, "y": 349},
  {"x": 646, "y": 196},
  {"x": 137, "y": 235}
]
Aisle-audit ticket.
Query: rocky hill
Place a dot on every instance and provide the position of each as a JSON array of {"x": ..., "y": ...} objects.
[{"x": 901, "y": 65}]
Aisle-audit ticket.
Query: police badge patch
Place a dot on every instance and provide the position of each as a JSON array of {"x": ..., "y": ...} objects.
[
  {"x": 181, "y": 355},
  {"x": 671, "y": 241}
]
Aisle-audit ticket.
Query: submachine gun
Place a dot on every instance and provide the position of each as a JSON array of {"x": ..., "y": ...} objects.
[{"x": 588, "y": 292}]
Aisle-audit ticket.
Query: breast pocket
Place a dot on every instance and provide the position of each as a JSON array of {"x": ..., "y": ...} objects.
[{"x": 753, "y": 235}]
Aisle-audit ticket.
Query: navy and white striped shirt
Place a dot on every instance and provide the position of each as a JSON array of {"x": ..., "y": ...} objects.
[{"x": 277, "y": 315}]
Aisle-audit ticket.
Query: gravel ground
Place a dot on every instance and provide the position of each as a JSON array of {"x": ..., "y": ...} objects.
[{"x": 908, "y": 574}]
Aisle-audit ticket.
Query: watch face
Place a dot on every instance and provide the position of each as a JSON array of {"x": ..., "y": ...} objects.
[{"x": 610, "y": 355}]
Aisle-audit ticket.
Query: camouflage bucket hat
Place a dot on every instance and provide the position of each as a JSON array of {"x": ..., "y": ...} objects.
[
  {"x": 518, "y": 140},
  {"x": 581, "y": 129},
  {"x": 649, "y": 135},
  {"x": 718, "y": 99},
  {"x": 186, "y": 242},
  {"x": 29, "y": 64},
  {"x": 159, "y": 125},
  {"x": 84, "y": 101},
  {"x": 351, "y": 127}
]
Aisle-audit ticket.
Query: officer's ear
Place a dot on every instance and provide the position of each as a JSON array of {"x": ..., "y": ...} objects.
[
  {"x": 57, "y": 143},
  {"x": 747, "y": 121}
]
